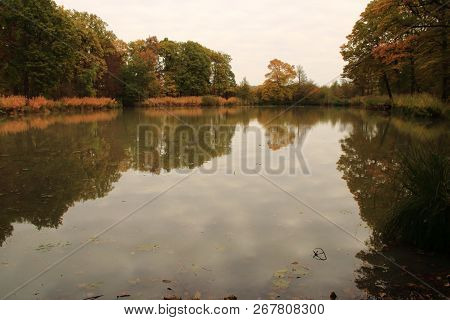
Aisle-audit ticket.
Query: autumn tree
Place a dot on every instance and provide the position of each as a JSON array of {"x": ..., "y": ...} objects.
[
  {"x": 139, "y": 74},
  {"x": 276, "y": 86},
  {"x": 169, "y": 54},
  {"x": 402, "y": 44}
]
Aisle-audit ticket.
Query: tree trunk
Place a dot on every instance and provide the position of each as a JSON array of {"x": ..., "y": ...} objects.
[
  {"x": 444, "y": 50},
  {"x": 413, "y": 77},
  {"x": 388, "y": 86},
  {"x": 26, "y": 85}
]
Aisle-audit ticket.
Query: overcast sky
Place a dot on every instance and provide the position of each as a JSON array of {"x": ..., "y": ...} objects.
[{"x": 306, "y": 32}]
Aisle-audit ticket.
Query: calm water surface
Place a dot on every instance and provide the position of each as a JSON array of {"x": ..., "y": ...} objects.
[{"x": 215, "y": 203}]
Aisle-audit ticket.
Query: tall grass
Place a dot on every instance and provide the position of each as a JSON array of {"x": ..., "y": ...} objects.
[
  {"x": 13, "y": 104},
  {"x": 421, "y": 104},
  {"x": 422, "y": 216},
  {"x": 370, "y": 101},
  {"x": 205, "y": 101}
]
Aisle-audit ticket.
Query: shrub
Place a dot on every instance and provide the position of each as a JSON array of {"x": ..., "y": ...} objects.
[
  {"x": 233, "y": 101},
  {"x": 212, "y": 101}
]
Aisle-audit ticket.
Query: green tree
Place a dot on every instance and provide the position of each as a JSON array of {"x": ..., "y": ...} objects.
[
  {"x": 193, "y": 72},
  {"x": 37, "y": 51},
  {"x": 222, "y": 81},
  {"x": 244, "y": 92},
  {"x": 169, "y": 57}
]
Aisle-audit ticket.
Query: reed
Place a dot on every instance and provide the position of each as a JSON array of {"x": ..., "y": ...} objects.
[
  {"x": 13, "y": 104},
  {"x": 421, "y": 104},
  {"x": 422, "y": 215},
  {"x": 191, "y": 101}
]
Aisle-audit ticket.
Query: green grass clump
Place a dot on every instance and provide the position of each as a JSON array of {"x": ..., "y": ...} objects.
[
  {"x": 422, "y": 215},
  {"x": 421, "y": 104}
]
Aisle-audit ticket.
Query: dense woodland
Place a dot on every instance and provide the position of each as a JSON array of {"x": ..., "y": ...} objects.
[
  {"x": 397, "y": 47},
  {"x": 47, "y": 50}
]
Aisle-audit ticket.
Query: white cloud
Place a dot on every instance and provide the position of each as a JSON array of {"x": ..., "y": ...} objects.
[{"x": 252, "y": 32}]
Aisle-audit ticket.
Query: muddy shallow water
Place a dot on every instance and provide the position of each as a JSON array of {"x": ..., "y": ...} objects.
[{"x": 259, "y": 203}]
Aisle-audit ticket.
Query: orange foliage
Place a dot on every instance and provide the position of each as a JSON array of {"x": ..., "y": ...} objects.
[
  {"x": 20, "y": 103},
  {"x": 40, "y": 102},
  {"x": 396, "y": 52},
  {"x": 12, "y": 102}
]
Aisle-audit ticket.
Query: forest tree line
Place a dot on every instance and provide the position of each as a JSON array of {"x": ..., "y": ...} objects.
[
  {"x": 50, "y": 51},
  {"x": 396, "y": 47}
]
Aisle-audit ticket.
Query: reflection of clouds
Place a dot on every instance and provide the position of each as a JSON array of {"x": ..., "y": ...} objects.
[
  {"x": 239, "y": 227},
  {"x": 217, "y": 233}
]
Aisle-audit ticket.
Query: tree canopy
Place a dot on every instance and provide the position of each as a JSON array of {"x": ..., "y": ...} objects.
[
  {"x": 50, "y": 51},
  {"x": 400, "y": 45}
]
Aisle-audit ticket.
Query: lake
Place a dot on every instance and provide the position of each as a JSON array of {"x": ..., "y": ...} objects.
[{"x": 256, "y": 203}]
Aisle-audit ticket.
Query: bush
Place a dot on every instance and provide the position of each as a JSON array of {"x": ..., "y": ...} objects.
[
  {"x": 212, "y": 101},
  {"x": 233, "y": 101}
]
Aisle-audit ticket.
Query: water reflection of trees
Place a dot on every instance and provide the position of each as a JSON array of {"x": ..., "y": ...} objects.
[
  {"x": 45, "y": 171},
  {"x": 369, "y": 164},
  {"x": 49, "y": 163}
]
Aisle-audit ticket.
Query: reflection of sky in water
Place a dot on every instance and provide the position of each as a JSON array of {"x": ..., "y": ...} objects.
[{"x": 219, "y": 234}]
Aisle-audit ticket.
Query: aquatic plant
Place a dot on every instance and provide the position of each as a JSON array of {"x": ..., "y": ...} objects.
[{"x": 422, "y": 215}]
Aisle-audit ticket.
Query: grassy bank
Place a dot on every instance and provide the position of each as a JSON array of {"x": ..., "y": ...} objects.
[
  {"x": 20, "y": 104},
  {"x": 421, "y": 105},
  {"x": 205, "y": 101}
]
